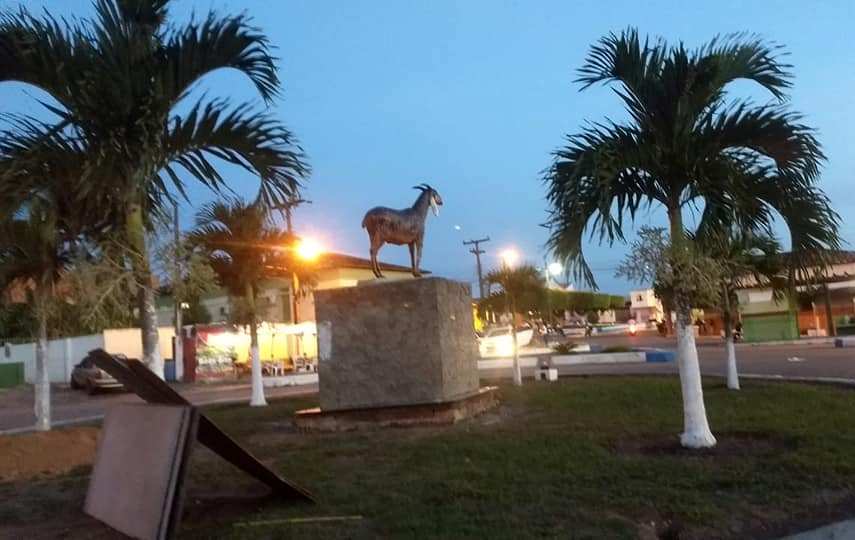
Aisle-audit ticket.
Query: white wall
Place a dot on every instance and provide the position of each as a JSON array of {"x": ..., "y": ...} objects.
[
  {"x": 127, "y": 341},
  {"x": 64, "y": 353}
]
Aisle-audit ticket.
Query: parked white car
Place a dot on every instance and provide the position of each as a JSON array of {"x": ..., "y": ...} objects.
[{"x": 499, "y": 341}]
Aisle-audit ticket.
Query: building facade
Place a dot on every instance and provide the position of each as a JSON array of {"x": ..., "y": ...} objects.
[
  {"x": 825, "y": 307},
  {"x": 645, "y": 306},
  {"x": 275, "y": 302}
]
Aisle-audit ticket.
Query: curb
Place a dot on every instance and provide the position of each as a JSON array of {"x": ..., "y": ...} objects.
[
  {"x": 784, "y": 342},
  {"x": 839, "y": 381}
]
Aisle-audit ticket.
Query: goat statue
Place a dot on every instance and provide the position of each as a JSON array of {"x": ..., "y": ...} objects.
[{"x": 399, "y": 227}]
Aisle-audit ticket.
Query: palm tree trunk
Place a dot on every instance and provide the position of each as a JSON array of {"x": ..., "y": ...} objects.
[
  {"x": 727, "y": 317},
  {"x": 135, "y": 231},
  {"x": 696, "y": 430},
  {"x": 42, "y": 383},
  {"x": 257, "y": 399},
  {"x": 517, "y": 370}
]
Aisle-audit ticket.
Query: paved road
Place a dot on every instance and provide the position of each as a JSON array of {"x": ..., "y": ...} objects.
[
  {"x": 16, "y": 404},
  {"x": 792, "y": 360}
]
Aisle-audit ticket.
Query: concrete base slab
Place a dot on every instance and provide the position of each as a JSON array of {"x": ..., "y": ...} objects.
[{"x": 444, "y": 413}]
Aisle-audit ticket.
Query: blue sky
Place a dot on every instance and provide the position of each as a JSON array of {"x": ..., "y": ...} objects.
[{"x": 473, "y": 96}]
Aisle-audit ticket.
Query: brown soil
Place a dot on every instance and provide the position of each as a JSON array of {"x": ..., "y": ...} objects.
[{"x": 46, "y": 453}]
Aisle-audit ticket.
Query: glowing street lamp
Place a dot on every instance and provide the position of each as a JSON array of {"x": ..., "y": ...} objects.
[
  {"x": 308, "y": 249},
  {"x": 509, "y": 257}
]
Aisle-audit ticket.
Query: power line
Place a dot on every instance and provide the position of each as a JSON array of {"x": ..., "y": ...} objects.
[{"x": 477, "y": 251}]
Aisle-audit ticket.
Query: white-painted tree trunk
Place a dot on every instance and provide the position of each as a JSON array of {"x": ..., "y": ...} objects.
[
  {"x": 696, "y": 430},
  {"x": 150, "y": 336},
  {"x": 517, "y": 370},
  {"x": 42, "y": 386},
  {"x": 732, "y": 373},
  {"x": 727, "y": 318},
  {"x": 258, "y": 399}
]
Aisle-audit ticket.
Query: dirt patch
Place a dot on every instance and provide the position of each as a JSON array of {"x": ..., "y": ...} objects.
[
  {"x": 729, "y": 444},
  {"x": 46, "y": 453}
]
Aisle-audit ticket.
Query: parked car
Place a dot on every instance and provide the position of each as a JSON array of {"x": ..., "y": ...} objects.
[
  {"x": 88, "y": 376},
  {"x": 499, "y": 342}
]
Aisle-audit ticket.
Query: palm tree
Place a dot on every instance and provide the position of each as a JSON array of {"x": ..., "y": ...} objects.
[
  {"x": 687, "y": 144},
  {"x": 516, "y": 283},
  {"x": 32, "y": 256},
  {"x": 241, "y": 242},
  {"x": 117, "y": 79},
  {"x": 44, "y": 220},
  {"x": 742, "y": 257}
]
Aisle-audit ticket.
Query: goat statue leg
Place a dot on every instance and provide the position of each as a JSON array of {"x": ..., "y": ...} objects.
[
  {"x": 375, "y": 249},
  {"x": 413, "y": 265},
  {"x": 417, "y": 258}
]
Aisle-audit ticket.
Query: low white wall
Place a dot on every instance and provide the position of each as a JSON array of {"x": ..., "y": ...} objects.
[
  {"x": 567, "y": 360},
  {"x": 65, "y": 353},
  {"x": 291, "y": 380},
  {"x": 128, "y": 341}
]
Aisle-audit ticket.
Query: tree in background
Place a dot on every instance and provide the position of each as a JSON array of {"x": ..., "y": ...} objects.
[
  {"x": 240, "y": 241},
  {"x": 686, "y": 143},
  {"x": 744, "y": 258},
  {"x": 516, "y": 283},
  {"x": 32, "y": 256},
  {"x": 117, "y": 79},
  {"x": 42, "y": 225},
  {"x": 196, "y": 313},
  {"x": 195, "y": 276}
]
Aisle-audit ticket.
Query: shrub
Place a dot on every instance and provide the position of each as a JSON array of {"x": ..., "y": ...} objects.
[{"x": 564, "y": 348}]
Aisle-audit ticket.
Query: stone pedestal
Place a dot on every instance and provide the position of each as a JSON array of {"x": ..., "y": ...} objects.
[{"x": 395, "y": 343}]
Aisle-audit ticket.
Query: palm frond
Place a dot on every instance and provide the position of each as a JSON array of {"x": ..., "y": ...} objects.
[
  {"x": 770, "y": 131},
  {"x": 216, "y": 43},
  {"x": 746, "y": 56},
  {"x": 592, "y": 183},
  {"x": 255, "y": 141},
  {"x": 43, "y": 52}
]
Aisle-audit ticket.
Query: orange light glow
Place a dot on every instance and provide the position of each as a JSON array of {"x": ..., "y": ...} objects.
[{"x": 308, "y": 249}]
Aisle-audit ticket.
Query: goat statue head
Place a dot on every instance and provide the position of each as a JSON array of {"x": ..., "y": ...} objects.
[{"x": 434, "y": 198}]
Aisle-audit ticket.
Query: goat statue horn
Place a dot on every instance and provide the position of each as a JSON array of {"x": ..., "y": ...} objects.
[{"x": 420, "y": 188}]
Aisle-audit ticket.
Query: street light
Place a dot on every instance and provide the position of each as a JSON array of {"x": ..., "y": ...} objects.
[
  {"x": 308, "y": 249},
  {"x": 509, "y": 257}
]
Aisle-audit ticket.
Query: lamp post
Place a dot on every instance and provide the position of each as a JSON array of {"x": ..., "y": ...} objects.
[{"x": 307, "y": 250}]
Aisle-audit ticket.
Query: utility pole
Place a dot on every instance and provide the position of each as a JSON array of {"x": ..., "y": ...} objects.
[
  {"x": 477, "y": 251},
  {"x": 286, "y": 209},
  {"x": 178, "y": 355}
]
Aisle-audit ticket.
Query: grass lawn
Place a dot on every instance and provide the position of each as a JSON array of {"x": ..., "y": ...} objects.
[{"x": 584, "y": 457}]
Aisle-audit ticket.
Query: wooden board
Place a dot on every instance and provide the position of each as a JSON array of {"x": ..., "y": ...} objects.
[
  {"x": 140, "y": 380},
  {"x": 137, "y": 482}
]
